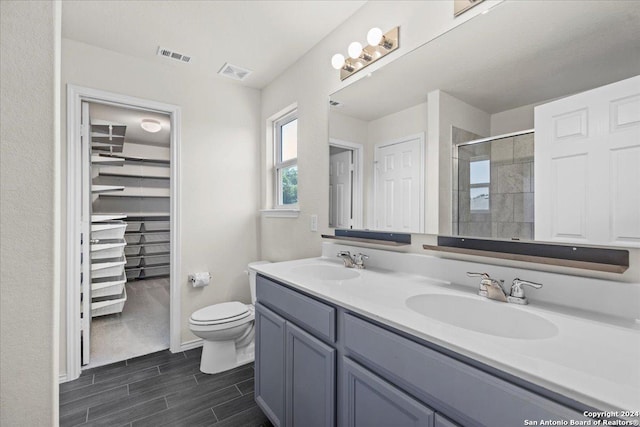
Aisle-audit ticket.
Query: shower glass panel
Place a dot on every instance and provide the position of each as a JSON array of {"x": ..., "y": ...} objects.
[{"x": 494, "y": 195}]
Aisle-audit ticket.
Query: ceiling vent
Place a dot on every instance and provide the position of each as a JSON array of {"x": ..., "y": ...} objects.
[
  {"x": 234, "y": 72},
  {"x": 167, "y": 53}
]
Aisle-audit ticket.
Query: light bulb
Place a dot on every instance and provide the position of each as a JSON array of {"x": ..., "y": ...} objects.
[
  {"x": 374, "y": 36},
  {"x": 337, "y": 61},
  {"x": 355, "y": 49}
]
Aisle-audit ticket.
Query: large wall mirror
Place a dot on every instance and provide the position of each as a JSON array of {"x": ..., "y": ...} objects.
[{"x": 444, "y": 140}]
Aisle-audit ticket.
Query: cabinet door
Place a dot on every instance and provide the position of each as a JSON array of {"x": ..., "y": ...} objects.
[
  {"x": 370, "y": 401},
  {"x": 310, "y": 379},
  {"x": 270, "y": 364}
]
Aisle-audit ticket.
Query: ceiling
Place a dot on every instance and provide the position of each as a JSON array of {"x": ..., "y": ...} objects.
[
  {"x": 263, "y": 36},
  {"x": 520, "y": 53},
  {"x": 132, "y": 118}
]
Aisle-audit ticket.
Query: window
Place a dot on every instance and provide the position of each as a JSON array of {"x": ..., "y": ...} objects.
[
  {"x": 286, "y": 160},
  {"x": 479, "y": 179}
]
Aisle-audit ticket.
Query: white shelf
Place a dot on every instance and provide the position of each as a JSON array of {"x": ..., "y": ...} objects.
[
  {"x": 137, "y": 170},
  {"x": 112, "y": 306},
  {"x": 106, "y": 217},
  {"x": 146, "y": 214},
  {"x": 107, "y": 250},
  {"x": 103, "y": 160},
  {"x": 108, "y": 231},
  {"x": 108, "y": 286},
  {"x": 139, "y": 192},
  {"x": 106, "y": 188},
  {"x": 107, "y": 269}
]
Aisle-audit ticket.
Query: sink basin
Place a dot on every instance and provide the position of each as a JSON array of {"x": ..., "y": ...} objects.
[
  {"x": 326, "y": 272},
  {"x": 485, "y": 316}
]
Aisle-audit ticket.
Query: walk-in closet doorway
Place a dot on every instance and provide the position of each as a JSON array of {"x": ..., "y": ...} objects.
[{"x": 122, "y": 294}]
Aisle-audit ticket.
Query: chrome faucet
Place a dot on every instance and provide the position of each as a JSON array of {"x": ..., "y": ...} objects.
[
  {"x": 355, "y": 261},
  {"x": 346, "y": 258},
  {"x": 490, "y": 288},
  {"x": 517, "y": 293},
  {"x": 359, "y": 260}
]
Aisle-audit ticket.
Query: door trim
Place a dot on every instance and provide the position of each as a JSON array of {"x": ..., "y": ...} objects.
[
  {"x": 358, "y": 182},
  {"x": 421, "y": 140},
  {"x": 75, "y": 96}
]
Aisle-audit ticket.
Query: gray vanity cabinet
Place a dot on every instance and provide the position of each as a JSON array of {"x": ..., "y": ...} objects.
[
  {"x": 315, "y": 360},
  {"x": 369, "y": 401},
  {"x": 295, "y": 380}
]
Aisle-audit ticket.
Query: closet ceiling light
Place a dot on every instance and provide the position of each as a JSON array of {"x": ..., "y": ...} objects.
[
  {"x": 380, "y": 45},
  {"x": 151, "y": 125}
]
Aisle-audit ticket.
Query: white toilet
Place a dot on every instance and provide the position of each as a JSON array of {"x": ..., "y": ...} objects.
[{"x": 227, "y": 331}]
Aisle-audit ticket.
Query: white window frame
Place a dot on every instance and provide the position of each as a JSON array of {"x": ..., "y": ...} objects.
[{"x": 278, "y": 166}]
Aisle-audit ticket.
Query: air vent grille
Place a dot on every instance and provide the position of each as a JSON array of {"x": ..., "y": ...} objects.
[
  {"x": 234, "y": 72},
  {"x": 176, "y": 56},
  {"x": 334, "y": 103}
]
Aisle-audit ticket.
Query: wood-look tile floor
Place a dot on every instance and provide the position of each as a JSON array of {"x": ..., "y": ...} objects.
[{"x": 159, "y": 389}]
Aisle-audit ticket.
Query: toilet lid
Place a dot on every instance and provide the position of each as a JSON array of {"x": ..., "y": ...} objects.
[{"x": 226, "y": 311}]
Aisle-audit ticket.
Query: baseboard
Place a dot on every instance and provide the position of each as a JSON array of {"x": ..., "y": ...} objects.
[
  {"x": 62, "y": 378},
  {"x": 191, "y": 344}
]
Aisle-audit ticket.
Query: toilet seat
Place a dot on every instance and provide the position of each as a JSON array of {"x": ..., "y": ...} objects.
[{"x": 223, "y": 313}]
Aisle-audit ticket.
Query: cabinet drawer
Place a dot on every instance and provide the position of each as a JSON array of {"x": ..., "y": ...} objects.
[
  {"x": 312, "y": 315},
  {"x": 464, "y": 393}
]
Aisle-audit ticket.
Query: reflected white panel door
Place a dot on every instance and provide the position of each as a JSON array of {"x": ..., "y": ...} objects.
[
  {"x": 399, "y": 189},
  {"x": 340, "y": 182},
  {"x": 587, "y": 168}
]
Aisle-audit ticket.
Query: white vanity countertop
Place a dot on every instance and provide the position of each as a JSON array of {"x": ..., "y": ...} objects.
[{"x": 594, "y": 362}]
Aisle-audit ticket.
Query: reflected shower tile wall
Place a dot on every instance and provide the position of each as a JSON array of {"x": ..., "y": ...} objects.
[
  {"x": 523, "y": 148},
  {"x": 513, "y": 178},
  {"x": 512, "y": 187},
  {"x": 502, "y": 151},
  {"x": 523, "y": 207}
]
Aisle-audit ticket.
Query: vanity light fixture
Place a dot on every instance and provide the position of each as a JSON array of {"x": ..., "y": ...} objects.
[
  {"x": 151, "y": 125},
  {"x": 379, "y": 46}
]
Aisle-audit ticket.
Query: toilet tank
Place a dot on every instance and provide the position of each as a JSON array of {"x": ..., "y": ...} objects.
[{"x": 252, "y": 278}]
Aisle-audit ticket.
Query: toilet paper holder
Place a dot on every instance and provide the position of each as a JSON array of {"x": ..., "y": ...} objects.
[{"x": 199, "y": 279}]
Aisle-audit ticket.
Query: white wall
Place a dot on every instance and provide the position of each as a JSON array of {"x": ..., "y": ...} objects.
[
  {"x": 309, "y": 82},
  {"x": 514, "y": 120},
  {"x": 219, "y": 164},
  {"x": 29, "y": 207},
  {"x": 346, "y": 128}
]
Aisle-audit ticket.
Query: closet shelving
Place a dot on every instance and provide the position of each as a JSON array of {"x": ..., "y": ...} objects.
[
  {"x": 148, "y": 246},
  {"x": 108, "y": 260},
  {"x": 107, "y": 244},
  {"x": 145, "y": 176},
  {"x": 107, "y": 137},
  {"x": 130, "y": 181}
]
